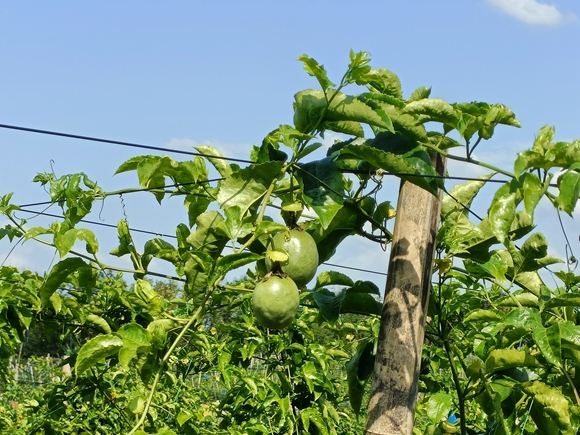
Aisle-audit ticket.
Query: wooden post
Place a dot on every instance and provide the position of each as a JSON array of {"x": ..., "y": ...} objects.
[{"x": 398, "y": 362}]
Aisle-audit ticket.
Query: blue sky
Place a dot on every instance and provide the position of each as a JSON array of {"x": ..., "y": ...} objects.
[{"x": 224, "y": 73}]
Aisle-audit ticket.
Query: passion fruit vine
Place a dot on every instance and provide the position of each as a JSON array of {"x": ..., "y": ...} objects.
[
  {"x": 302, "y": 255},
  {"x": 275, "y": 302}
]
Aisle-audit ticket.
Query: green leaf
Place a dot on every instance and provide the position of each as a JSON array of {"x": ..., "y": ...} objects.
[
  {"x": 569, "y": 186},
  {"x": 439, "y": 406},
  {"x": 368, "y": 287},
  {"x": 420, "y": 93},
  {"x": 350, "y": 128},
  {"x": 549, "y": 342},
  {"x": 361, "y": 303},
  {"x": 565, "y": 300},
  {"x": 57, "y": 275},
  {"x": 236, "y": 226},
  {"x": 496, "y": 267},
  {"x": 195, "y": 205},
  {"x": 100, "y": 322},
  {"x": 553, "y": 405},
  {"x": 386, "y": 82},
  {"x": 135, "y": 340},
  {"x": 95, "y": 350},
  {"x": 483, "y": 316},
  {"x": 534, "y": 254},
  {"x": 501, "y": 215},
  {"x": 206, "y": 238},
  {"x": 309, "y": 107},
  {"x": 396, "y": 154},
  {"x": 433, "y": 109},
  {"x": 524, "y": 318},
  {"x": 323, "y": 188},
  {"x": 505, "y": 359},
  {"x": 358, "y": 370},
  {"x": 329, "y": 277},
  {"x": 244, "y": 187},
  {"x": 231, "y": 262},
  {"x": 329, "y": 302},
  {"x": 218, "y": 162},
  {"x": 533, "y": 192},
  {"x": 313, "y": 68}
]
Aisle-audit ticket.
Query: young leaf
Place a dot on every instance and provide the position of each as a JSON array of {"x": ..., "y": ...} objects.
[{"x": 313, "y": 68}]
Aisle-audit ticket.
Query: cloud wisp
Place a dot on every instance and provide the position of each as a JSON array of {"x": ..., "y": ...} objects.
[
  {"x": 533, "y": 12},
  {"x": 240, "y": 151}
]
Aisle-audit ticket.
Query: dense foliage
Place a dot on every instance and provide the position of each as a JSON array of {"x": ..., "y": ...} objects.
[{"x": 502, "y": 346}]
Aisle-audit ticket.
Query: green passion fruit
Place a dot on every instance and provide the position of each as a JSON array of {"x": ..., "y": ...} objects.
[
  {"x": 275, "y": 302},
  {"x": 302, "y": 255}
]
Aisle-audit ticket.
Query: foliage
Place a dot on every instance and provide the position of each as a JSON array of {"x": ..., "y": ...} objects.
[{"x": 502, "y": 348}]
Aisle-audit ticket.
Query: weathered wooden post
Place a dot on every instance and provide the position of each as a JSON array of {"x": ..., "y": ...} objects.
[{"x": 398, "y": 361}]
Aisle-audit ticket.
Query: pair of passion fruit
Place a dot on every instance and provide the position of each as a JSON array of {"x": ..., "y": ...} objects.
[{"x": 275, "y": 299}]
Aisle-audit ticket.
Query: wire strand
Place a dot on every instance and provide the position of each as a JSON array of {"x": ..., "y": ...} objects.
[
  {"x": 175, "y": 237},
  {"x": 116, "y": 142}
]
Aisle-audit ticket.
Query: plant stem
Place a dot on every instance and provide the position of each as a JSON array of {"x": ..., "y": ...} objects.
[
  {"x": 469, "y": 160},
  {"x": 166, "y": 357}
]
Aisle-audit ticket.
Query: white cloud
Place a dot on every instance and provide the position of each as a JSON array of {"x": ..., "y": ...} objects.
[
  {"x": 238, "y": 151},
  {"x": 533, "y": 12}
]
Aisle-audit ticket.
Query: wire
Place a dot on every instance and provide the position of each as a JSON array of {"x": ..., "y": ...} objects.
[
  {"x": 116, "y": 142},
  {"x": 175, "y": 237},
  {"x": 232, "y": 159},
  {"x": 135, "y": 190}
]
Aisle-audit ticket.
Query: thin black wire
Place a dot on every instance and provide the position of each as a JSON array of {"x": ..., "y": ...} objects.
[
  {"x": 144, "y": 189},
  {"x": 175, "y": 237},
  {"x": 116, "y": 142},
  {"x": 232, "y": 159}
]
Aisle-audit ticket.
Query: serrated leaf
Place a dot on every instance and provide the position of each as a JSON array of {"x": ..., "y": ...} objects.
[
  {"x": 565, "y": 300},
  {"x": 329, "y": 302},
  {"x": 433, "y": 109},
  {"x": 244, "y": 187},
  {"x": 553, "y": 405},
  {"x": 95, "y": 350},
  {"x": 420, "y": 93},
  {"x": 398, "y": 155}
]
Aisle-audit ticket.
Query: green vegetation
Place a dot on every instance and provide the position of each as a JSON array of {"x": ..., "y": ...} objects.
[{"x": 502, "y": 346}]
